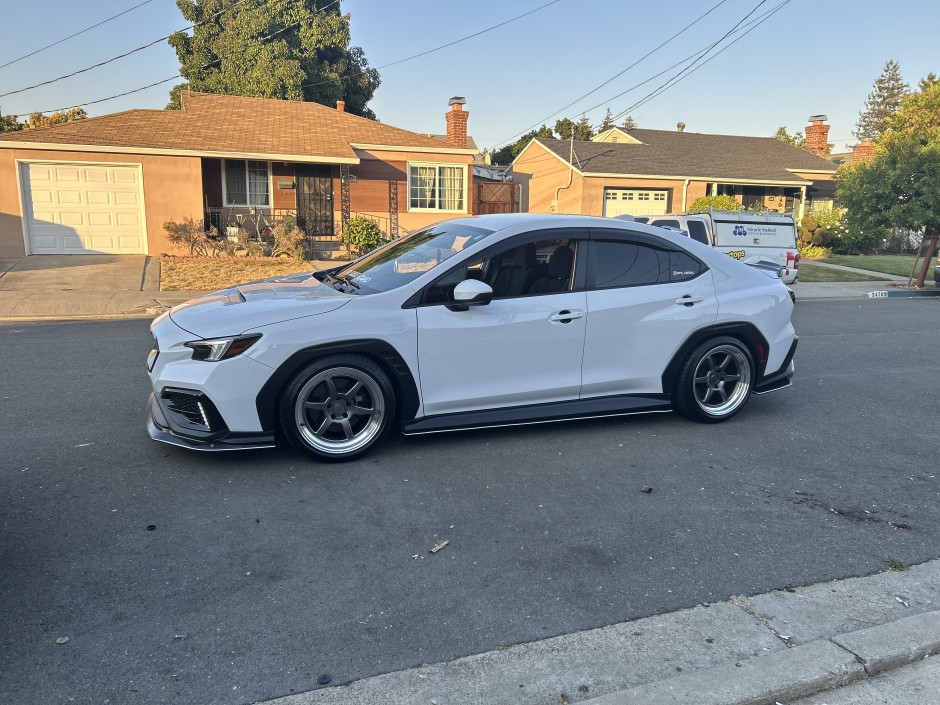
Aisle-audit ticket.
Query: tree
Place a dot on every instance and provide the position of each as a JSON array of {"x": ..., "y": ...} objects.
[
  {"x": 37, "y": 120},
  {"x": 563, "y": 128},
  {"x": 583, "y": 130},
  {"x": 8, "y": 123},
  {"x": 885, "y": 98},
  {"x": 628, "y": 123},
  {"x": 506, "y": 154},
  {"x": 796, "y": 139},
  {"x": 285, "y": 49},
  {"x": 927, "y": 81},
  {"x": 900, "y": 186},
  {"x": 607, "y": 123}
]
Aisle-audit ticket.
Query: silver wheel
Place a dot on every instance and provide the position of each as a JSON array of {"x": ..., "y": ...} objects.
[
  {"x": 721, "y": 381},
  {"x": 339, "y": 410}
]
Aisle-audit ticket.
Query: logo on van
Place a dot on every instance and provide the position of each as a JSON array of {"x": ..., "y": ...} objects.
[{"x": 740, "y": 230}]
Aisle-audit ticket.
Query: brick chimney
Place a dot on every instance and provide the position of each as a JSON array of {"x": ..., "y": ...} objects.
[
  {"x": 341, "y": 105},
  {"x": 817, "y": 133},
  {"x": 457, "y": 122},
  {"x": 863, "y": 151}
]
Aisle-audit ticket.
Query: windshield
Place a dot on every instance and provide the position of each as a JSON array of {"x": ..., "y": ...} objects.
[{"x": 409, "y": 257}]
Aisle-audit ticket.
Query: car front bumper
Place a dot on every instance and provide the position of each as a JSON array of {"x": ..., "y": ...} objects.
[{"x": 162, "y": 427}]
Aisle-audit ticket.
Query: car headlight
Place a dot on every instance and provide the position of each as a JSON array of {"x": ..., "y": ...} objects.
[{"x": 221, "y": 348}]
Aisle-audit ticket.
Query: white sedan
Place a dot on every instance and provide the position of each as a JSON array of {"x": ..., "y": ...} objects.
[{"x": 486, "y": 321}]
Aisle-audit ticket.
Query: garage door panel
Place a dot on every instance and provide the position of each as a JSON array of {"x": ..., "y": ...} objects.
[
  {"x": 75, "y": 209},
  {"x": 72, "y": 175},
  {"x": 126, "y": 199},
  {"x": 120, "y": 176},
  {"x": 98, "y": 198},
  {"x": 69, "y": 198}
]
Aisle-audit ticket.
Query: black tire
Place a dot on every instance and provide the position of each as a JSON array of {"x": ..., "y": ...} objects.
[
  {"x": 702, "y": 390},
  {"x": 336, "y": 408}
]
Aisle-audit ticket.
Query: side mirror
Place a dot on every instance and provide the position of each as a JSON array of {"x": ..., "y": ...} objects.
[{"x": 471, "y": 292}]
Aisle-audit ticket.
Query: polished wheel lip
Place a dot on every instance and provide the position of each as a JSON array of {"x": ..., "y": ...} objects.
[
  {"x": 718, "y": 367},
  {"x": 339, "y": 409}
]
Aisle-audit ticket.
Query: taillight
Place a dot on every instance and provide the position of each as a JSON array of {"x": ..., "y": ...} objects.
[{"x": 793, "y": 260}]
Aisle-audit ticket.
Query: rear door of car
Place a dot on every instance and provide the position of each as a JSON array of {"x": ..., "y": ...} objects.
[{"x": 645, "y": 297}]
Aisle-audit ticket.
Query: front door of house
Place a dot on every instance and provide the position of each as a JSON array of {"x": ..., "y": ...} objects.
[{"x": 315, "y": 199}]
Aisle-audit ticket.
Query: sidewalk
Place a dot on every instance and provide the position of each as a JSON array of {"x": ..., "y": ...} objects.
[{"x": 836, "y": 642}]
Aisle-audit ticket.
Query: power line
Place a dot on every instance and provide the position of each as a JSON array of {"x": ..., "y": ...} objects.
[
  {"x": 121, "y": 56},
  {"x": 616, "y": 75},
  {"x": 72, "y": 36},
  {"x": 689, "y": 70},
  {"x": 470, "y": 36},
  {"x": 205, "y": 65}
]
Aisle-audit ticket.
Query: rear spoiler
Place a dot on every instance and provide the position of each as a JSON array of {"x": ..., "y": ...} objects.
[{"x": 771, "y": 268}]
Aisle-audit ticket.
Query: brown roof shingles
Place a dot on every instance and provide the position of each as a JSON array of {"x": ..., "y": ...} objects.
[
  {"x": 691, "y": 154},
  {"x": 232, "y": 124}
]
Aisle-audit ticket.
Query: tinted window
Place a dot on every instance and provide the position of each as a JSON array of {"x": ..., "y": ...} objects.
[
  {"x": 697, "y": 231},
  {"x": 671, "y": 223},
  {"x": 683, "y": 267},
  {"x": 628, "y": 264}
]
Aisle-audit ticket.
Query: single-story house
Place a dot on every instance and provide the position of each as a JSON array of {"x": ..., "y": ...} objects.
[
  {"x": 108, "y": 184},
  {"x": 652, "y": 172}
]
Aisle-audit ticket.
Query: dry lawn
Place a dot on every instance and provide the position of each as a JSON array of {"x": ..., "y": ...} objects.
[{"x": 214, "y": 273}]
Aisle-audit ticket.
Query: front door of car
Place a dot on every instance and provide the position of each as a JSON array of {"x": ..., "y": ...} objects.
[
  {"x": 524, "y": 347},
  {"x": 643, "y": 302}
]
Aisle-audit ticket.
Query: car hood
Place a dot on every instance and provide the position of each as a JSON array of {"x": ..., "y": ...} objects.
[{"x": 259, "y": 303}]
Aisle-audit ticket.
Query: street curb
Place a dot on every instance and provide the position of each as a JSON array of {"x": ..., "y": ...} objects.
[
  {"x": 787, "y": 675},
  {"x": 798, "y": 672},
  {"x": 894, "y": 644}
]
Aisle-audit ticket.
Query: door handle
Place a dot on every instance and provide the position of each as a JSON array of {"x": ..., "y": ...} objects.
[
  {"x": 565, "y": 316},
  {"x": 689, "y": 300}
]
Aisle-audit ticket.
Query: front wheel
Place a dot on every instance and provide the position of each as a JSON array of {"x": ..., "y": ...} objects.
[
  {"x": 715, "y": 381},
  {"x": 336, "y": 408}
]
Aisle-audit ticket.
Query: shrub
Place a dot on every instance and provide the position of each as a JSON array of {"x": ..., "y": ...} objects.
[
  {"x": 285, "y": 239},
  {"x": 192, "y": 234},
  {"x": 723, "y": 203},
  {"x": 362, "y": 234},
  {"x": 809, "y": 222},
  {"x": 813, "y": 251},
  {"x": 805, "y": 235}
]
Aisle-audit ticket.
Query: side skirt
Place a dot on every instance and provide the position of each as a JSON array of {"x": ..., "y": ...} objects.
[{"x": 541, "y": 413}]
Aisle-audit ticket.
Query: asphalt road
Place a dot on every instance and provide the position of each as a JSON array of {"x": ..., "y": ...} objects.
[{"x": 231, "y": 578}]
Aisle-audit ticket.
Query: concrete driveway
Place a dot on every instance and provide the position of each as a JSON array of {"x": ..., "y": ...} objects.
[
  {"x": 83, "y": 285},
  {"x": 79, "y": 273}
]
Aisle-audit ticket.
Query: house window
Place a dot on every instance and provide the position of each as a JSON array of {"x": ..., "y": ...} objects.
[
  {"x": 247, "y": 183},
  {"x": 437, "y": 187}
]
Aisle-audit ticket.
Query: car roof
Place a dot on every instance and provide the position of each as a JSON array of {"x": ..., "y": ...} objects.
[{"x": 502, "y": 221}]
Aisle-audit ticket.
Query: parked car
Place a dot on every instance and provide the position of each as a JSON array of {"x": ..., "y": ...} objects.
[
  {"x": 496, "y": 320},
  {"x": 749, "y": 236}
]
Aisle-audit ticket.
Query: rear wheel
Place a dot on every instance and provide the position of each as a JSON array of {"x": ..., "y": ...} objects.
[
  {"x": 715, "y": 381},
  {"x": 338, "y": 407}
]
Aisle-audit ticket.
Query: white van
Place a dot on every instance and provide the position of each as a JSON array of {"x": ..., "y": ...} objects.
[{"x": 749, "y": 236}]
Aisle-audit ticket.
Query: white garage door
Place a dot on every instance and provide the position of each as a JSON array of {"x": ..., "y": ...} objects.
[
  {"x": 618, "y": 201},
  {"x": 75, "y": 209}
]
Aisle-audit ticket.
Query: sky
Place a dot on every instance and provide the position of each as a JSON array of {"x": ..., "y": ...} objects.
[{"x": 810, "y": 57}]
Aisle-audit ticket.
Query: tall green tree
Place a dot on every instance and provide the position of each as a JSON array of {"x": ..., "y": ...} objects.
[
  {"x": 927, "y": 81},
  {"x": 563, "y": 128},
  {"x": 900, "y": 186},
  {"x": 583, "y": 130},
  {"x": 286, "y": 49},
  {"x": 628, "y": 123},
  {"x": 607, "y": 123},
  {"x": 883, "y": 101},
  {"x": 796, "y": 139}
]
